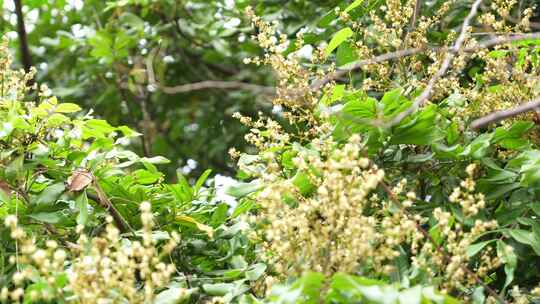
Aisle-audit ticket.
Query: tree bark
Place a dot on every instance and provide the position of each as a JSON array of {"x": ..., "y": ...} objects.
[{"x": 26, "y": 59}]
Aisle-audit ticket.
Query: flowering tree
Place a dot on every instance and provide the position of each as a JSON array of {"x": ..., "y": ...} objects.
[{"x": 399, "y": 165}]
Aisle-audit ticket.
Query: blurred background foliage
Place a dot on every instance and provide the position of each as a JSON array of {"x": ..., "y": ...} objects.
[{"x": 97, "y": 54}]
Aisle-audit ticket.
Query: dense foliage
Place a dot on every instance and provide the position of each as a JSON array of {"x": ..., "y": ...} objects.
[{"x": 367, "y": 176}]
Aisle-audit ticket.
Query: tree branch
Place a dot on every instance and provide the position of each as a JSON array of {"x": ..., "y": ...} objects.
[
  {"x": 26, "y": 59},
  {"x": 104, "y": 201},
  {"x": 416, "y": 14},
  {"x": 203, "y": 85},
  {"x": 216, "y": 84},
  {"x": 413, "y": 51},
  {"x": 426, "y": 94},
  {"x": 504, "y": 114}
]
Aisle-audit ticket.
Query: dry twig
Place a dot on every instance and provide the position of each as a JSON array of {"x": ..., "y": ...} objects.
[
  {"x": 413, "y": 51},
  {"x": 202, "y": 85},
  {"x": 426, "y": 94},
  {"x": 504, "y": 114}
]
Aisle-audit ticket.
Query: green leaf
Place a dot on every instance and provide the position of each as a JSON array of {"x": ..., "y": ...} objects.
[
  {"x": 67, "y": 108},
  {"x": 47, "y": 217},
  {"x": 411, "y": 296},
  {"x": 242, "y": 189},
  {"x": 497, "y": 53},
  {"x": 218, "y": 289},
  {"x": 306, "y": 289},
  {"x": 345, "y": 54},
  {"x": 184, "y": 219},
  {"x": 200, "y": 181},
  {"x": 156, "y": 160},
  {"x": 302, "y": 181},
  {"x": 394, "y": 102},
  {"x": 15, "y": 169},
  {"x": 171, "y": 295},
  {"x": 82, "y": 205},
  {"x": 353, "y": 5},
  {"x": 239, "y": 262},
  {"x": 50, "y": 194},
  {"x": 56, "y": 119},
  {"x": 508, "y": 257},
  {"x": 473, "y": 249},
  {"x": 478, "y": 296},
  {"x": 338, "y": 39},
  {"x": 535, "y": 207},
  {"x": 244, "y": 206},
  {"x": 479, "y": 147},
  {"x": 526, "y": 237},
  {"x": 337, "y": 94},
  {"x": 255, "y": 271},
  {"x": 419, "y": 130},
  {"x": 5, "y": 129},
  {"x": 146, "y": 177},
  {"x": 452, "y": 134}
]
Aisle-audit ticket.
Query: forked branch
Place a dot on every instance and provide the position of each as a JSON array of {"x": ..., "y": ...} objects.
[{"x": 504, "y": 114}]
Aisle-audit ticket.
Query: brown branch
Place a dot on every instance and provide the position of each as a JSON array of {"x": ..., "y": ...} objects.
[
  {"x": 216, "y": 84},
  {"x": 416, "y": 14},
  {"x": 439, "y": 249},
  {"x": 445, "y": 65},
  {"x": 203, "y": 85},
  {"x": 504, "y": 114},
  {"x": 104, "y": 201},
  {"x": 413, "y": 51},
  {"x": 426, "y": 94},
  {"x": 533, "y": 25},
  {"x": 26, "y": 59},
  {"x": 509, "y": 18}
]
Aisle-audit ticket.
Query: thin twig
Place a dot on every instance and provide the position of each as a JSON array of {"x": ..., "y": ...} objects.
[
  {"x": 504, "y": 114},
  {"x": 510, "y": 18},
  {"x": 202, "y": 85},
  {"x": 426, "y": 94},
  {"x": 416, "y": 14},
  {"x": 216, "y": 84},
  {"x": 413, "y": 51},
  {"x": 439, "y": 249},
  {"x": 104, "y": 201}
]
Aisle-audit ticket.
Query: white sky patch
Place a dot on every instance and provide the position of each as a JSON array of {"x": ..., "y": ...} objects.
[
  {"x": 306, "y": 52},
  {"x": 221, "y": 183},
  {"x": 192, "y": 163},
  {"x": 13, "y": 19},
  {"x": 168, "y": 59},
  {"x": 12, "y": 35},
  {"x": 232, "y": 23},
  {"x": 9, "y": 5},
  {"x": 76, "y": 4},
  {"x": 230, "y": 4},
  {"x": 32, "y": 16},
  {"x": 191, "y": 127},
  {"x": 277, "y": 109},
  {"x": 79, "y": 31}
]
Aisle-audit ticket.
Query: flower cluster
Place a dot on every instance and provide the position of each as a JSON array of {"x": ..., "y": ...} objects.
[
  {"x": 326, "y": 217},
  {"x": 94, "y": 270}
]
